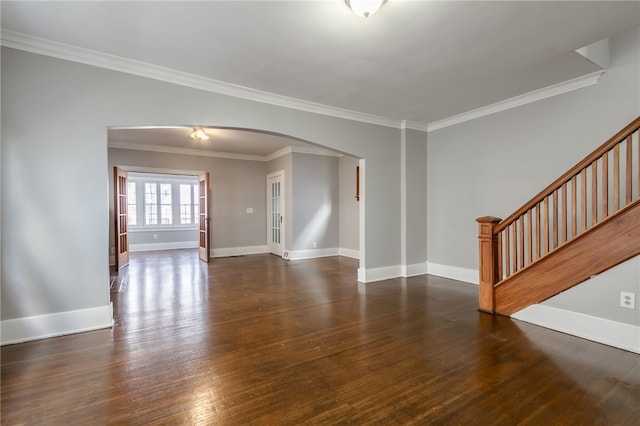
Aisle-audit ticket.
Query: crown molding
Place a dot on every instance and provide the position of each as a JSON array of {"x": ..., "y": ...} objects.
[
  {"x": 185, "y": 151},
  {"x": 16, "y": 40},
  {"x": 20, "y": 41},
  {"x": 216, "y": 154},
  {"x": 516, "y": 101}
]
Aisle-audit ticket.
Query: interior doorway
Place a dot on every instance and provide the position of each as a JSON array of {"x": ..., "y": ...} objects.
[{"x": 275, "y": 212}]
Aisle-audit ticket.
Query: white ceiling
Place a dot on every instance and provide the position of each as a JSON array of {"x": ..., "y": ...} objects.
[{"x": 420, "y": 61}]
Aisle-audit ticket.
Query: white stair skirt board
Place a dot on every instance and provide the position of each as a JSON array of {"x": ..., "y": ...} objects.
[
  {"x": 238, "y": 251},
  {"x": 354, "y": 254},
  {"x": 453, "y": 272},
  {"x": 313, "y": 253},
  {"x": 611, "y": 333},
  {"x": 163, "y": 246},
  {"x": 58, "y": 324}
]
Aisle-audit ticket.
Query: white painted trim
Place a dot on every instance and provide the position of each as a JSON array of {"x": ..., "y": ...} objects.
[
  {"x": 354, "y": 254},
  {"x": 238, "y": 251},
  {"x": 414, "y": 269},
  {"x": 601, "y": 330},
  {"x": 516, "y": 101},
  {"x": 313, "y": 253},
  {"x": 59, "y": 324},
  {"x": 174, "y": 245},
  {"x": 301, "y": 150},
  {"x": 184, "y": 151},
  {"x": 215, "y": 154},
  {"x": 379, "y": 274},
  {"x": 27, "y": 43},
  {"x": 453, "y": 272}
]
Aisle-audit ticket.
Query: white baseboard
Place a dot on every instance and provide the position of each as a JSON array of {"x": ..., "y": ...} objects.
[
  {"x": 238, "y": 251},
  {"x": 379, "y": 274},
  {"x": 413, "y": 270},
  {"x": 601, "y": 330},
  {"x": 163, "y": 246},
  {"x": 43, "y": 326},
  {"x": 313, "y": 253},
  {"x": 453, "y": 272},
  {"x": 354, "y": 254}
]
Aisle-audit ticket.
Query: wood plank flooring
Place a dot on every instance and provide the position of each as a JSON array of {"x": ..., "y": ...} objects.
[{"x": 258, "y": 340}]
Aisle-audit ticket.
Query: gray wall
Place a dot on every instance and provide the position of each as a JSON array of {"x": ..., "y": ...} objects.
[
  {"x": 349, "y": 206},
  {"x": 284, "y": 163},
  {"x": 235, "y": 185},
  {"x": 415, "y": 173},
  {"x": 315, "y": 198},
  {"x": 51, "y": 186},
  {"x": 605, "y": 288},
  {"x": 492, "y": 165}
]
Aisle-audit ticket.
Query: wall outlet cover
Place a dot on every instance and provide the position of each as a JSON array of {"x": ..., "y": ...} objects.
[{"x": 627, "y": 300}]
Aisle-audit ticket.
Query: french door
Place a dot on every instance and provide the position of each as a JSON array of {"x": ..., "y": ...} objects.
[
  {"x": 275, "y": 210},
  {"x": 204, "y": 221},
  {"x": 121, "y": 217}
]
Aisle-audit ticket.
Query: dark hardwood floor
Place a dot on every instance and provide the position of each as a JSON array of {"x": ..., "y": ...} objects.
[{"x": 258, "y": 340}]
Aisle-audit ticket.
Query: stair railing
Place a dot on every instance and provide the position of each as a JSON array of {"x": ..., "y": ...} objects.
[{"x": 600, "y": 185}]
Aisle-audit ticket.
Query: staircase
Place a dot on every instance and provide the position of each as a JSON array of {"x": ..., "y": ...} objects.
[{"x": 584, "y": 223}]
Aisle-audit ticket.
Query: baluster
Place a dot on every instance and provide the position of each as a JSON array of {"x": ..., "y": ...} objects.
[
  {"x": 507, "y": 252},
  {"x": 616, "y": 178},
  {"x": 594, "y": 192},
  {"x": 514, "y": 248},
  {"x": 538, "y": 236},
  {"x": 629, "y": 170},
  {"x": 500, "y": 256},
  {"x": 555, "y": 219},
  {"x": 529, "y": 234},
  {"x": 521, "y": 259},
  {"x": 564, "y": 211},
  {"x": 574, "y": 206},
  {"x": 545, "y": 218},
  {"x": 605, "y": 185},
  {"x": 583, "y": 199}
]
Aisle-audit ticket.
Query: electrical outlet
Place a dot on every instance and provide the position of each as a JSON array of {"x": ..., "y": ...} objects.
[
  {"x": 315, "y": 244},
  {"x": 249, "y": 210},
  {"x": 155, "y": 236},
  {"x": 113, "y": 250},
  {"x": 627, "y": 300}
]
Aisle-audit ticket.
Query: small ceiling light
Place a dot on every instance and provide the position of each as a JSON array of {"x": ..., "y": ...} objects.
[
  {"x": 199, "y": 134},
  {"x": 364, "y": 8}
]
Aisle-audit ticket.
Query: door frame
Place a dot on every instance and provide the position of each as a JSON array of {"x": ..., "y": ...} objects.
[{"x": 283, "y": 219}]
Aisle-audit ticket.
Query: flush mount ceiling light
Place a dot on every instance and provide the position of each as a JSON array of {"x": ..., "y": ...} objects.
[
  {"x": 364, "y": 8},
  {"x": 199, "y": 134}
]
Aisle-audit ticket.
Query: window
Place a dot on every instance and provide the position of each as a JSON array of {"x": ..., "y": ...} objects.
[
  {"x": 132, "y": 213},
  {"x": 165, "y": 204},
  {"x": 150, "y": 203},
  {"x": 188, "y": 204},
  {"x": 162, "y": 201}
]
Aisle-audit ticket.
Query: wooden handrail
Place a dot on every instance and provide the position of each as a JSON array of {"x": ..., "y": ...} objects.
[{"x": 619, "y": 137}]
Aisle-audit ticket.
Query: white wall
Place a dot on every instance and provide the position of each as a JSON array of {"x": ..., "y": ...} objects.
[{"x": 490, "y": 166}]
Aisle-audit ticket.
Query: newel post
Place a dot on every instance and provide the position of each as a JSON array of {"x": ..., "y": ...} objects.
[{"x": 488, "y": 245}]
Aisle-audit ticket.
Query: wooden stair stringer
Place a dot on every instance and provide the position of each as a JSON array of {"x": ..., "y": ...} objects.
[{"x": 605, "y": 245}]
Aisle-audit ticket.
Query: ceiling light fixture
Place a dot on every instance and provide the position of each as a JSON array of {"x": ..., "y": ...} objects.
[
  {"x": 364, "y": 8},
  {"x": 199, "y": 134}
]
